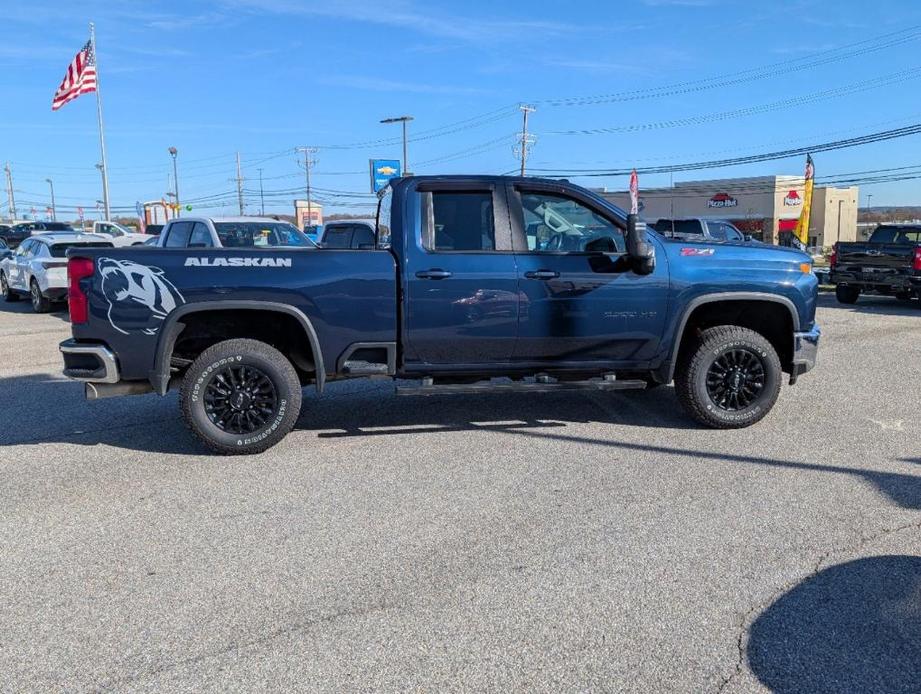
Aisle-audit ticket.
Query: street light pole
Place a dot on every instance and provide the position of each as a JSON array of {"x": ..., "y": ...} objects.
[
  {"x": 173, "y": 152},
  {"x": 404, "y": 120},
  {"x": 105, "y": 189},
  {"x": 54, "y": 210}
]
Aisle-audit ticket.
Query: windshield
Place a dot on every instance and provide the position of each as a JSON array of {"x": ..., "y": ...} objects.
[
  {"x": 260, "y": 235},
  {"x": 57, "y": 226},
  {"x": 889, "y": 234}
]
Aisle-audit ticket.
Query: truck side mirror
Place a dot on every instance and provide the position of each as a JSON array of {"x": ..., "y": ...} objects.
[{"x": 641, "y": 253}]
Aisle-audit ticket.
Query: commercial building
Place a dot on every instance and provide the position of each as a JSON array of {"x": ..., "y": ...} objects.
[
  {"x": 308, "y": 215},
  {"x": 766, "y": 207}
]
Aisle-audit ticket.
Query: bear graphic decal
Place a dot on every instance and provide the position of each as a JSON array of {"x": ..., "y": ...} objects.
[{"x": 139, "y": 296}]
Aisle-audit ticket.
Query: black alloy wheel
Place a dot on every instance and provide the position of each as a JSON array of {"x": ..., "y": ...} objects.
[
  {"x": 735, "y": 379},
  {"x": 240, "y": 399}
]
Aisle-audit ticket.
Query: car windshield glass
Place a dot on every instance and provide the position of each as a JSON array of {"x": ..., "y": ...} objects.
[
  {"x": 260, "y": 235},
  {"x": 57, "y": 226},
  {"x": 59, "y": 250},
  {"x": 889, "y": 234}
]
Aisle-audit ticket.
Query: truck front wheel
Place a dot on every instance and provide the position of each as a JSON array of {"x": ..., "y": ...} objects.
[
  {"x": 846, "y": 294},
  {"x": 240, "y": 397},
  {"x": 729, "y": 378}
]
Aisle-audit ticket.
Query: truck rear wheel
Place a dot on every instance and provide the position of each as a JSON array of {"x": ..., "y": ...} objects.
[
  {"x": 730, "y": 378},
  {"x": 846, "y": 294},
  {"x": 240, "y": 397}
]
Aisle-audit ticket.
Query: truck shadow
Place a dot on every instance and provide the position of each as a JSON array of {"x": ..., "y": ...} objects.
[
  {"x": 873, "y": 304},
  {"x": 853, "y": 627},
  {"x": 52, "y": 410}
]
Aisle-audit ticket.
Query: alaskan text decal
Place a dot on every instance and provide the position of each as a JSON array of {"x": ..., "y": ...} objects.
[{"x": 238, "y": 262}]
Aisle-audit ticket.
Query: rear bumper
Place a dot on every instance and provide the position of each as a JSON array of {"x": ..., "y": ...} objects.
[
  {"x": 805, "y": 351},
  {"x": 90, "y": 363}
]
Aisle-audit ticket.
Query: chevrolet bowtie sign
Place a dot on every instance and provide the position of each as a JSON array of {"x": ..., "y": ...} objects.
[{"x": 382, "y": 170}]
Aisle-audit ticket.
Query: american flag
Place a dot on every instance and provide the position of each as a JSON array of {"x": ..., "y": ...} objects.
[{"x": 80, "y": 77}]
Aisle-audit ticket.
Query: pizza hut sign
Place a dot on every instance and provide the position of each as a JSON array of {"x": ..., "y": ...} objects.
[
  {"x": 721, "y": 200},
  {"x": 792, "y": 199}
]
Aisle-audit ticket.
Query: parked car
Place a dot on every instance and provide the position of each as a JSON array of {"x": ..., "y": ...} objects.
[
  {"x": 19, "y": 232},
  {"x": 152, "y": 241},
  {"x": 5, "y": 251},
  {"x": 38, "y": 268},
  {"x": 232, "y": 232},
  {"x": 154, "y": 229},
  {"x": 243, "y": 328},
  {"x": 119, "y": 235},
  {"x": 889, "y": 263},
  {"x": 348, "y": 233},
  {"x": 697, "y": 228}
]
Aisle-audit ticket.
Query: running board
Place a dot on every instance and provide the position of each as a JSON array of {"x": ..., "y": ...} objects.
[{"x": 428, "y": 388}]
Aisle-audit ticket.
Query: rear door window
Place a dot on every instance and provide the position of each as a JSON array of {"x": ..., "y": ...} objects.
[
  {"x": 200, "y": 237},
  {"x": 458, "y": 221},
  {"x": 179, "y": 233}
]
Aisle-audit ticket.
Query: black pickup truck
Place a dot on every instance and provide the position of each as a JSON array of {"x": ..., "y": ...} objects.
[{"x": 888, "y": 263}]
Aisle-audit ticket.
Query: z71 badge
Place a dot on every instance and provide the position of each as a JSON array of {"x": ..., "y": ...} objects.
[{"x": 697, "y": 251}]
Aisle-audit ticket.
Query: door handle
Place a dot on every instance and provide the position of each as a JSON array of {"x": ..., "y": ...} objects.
[
  {"x": 433, "y": 274},
  {"x": 542, "y": 274}
]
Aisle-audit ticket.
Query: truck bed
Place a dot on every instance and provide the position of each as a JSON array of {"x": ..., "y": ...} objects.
[{"x": 349, "y": 296}]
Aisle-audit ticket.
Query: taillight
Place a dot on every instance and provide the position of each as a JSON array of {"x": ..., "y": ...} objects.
[
  {"x": 78, "y": 269},
  {"x": 916, "y": 263},
  {"x": 833, "y": 260}
]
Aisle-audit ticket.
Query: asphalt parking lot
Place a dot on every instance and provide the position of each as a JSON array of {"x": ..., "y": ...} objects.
[{"x": 578, "y": 541}]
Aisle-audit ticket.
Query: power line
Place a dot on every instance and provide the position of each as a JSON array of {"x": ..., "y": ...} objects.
[
  {"x": 781, "y": 68},
  {"x": 875, "y": 83},
  {"x": 750, "y": 159}
]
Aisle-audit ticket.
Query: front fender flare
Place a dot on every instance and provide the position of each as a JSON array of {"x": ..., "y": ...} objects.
[
  {"x": 668, "y": 369},
  {"x": 173, "y": 327}
]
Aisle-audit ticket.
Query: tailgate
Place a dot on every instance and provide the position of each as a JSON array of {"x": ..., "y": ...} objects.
[{"x": 875, "y": 258}]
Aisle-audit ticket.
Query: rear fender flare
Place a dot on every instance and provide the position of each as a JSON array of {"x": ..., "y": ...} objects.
[{"x": 172, "y": 328}]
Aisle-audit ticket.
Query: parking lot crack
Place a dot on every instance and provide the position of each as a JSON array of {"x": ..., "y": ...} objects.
[{"x": 822, "y": 562}]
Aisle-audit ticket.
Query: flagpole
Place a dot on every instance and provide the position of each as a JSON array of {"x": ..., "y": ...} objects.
[{"x": 102, "y": 138}]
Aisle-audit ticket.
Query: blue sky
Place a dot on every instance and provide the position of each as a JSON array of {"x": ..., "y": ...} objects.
[{"x": 264, "y": 76}]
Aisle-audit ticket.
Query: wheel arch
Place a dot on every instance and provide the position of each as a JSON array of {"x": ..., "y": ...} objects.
[
  {"x": 173, "y": 326},
  {"x": 733, "y": 300}
]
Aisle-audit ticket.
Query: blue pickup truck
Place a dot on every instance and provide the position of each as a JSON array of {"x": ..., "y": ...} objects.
[{"x": 472, "y": 283}]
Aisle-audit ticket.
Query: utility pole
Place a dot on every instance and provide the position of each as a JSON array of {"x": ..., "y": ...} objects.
[
  {"x": 525, "y": 141},
  {"x": 261, "y": 195},
  {"x": 404, "y": 120},
  {"x": 308, "y": 164},
  {"x": 239, "y": 184},
  {"x": 54, "y": 210},
  {"x": 9, "y": 192}
]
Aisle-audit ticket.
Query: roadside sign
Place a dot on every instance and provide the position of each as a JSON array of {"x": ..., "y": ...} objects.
[
  {"x": 80, "y": 214},
  {"x": 382, "y": 170},
  {"x": 139, "y": 208},
  {"x": 188, "y": 208}
]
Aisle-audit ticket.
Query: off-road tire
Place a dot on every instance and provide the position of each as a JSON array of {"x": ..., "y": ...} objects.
[
  {"x": 39, "y": 303},
  {"x": 696, "y": 361},
  {"x": 265, "y": 360},
  {"x": 8, "y": 294},
  {"x": 847, "y": 294}
]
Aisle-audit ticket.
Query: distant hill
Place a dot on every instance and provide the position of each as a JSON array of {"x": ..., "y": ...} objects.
[{"x": 889, "y": 214}]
